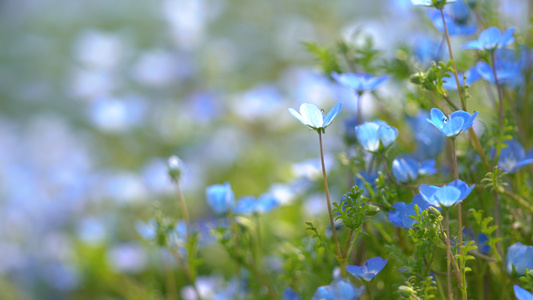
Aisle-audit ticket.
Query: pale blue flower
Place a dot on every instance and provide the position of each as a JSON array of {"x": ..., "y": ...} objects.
[
  {"x": 369, "y": 269},
  {"x": 454, "y": 27},
  {"x": 313, "y": 117},
  {"x": 375, "y": 136},
  {"x": 447, "y": 195},
  {"x": 338, "y": 290},
  {"x": 220, "y": 197},
  {"x": 451, "y": 127},
  {"x": 406, "y": 169},
  {"x": 250, "y": 205},
  {"x": 359, "y": 82},
  {"x": 522, "y": 294},
  {"x": 514, "y": 157},
  {"x": 491, "y": 39},
  {"x": 435, "y": 3},
  {"x": 520, "y": 257},
  {"x": 401, "y": 215}
]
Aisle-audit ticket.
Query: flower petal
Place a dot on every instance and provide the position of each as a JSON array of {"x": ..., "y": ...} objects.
[
  {"x": 453, "y": 127},
  {"x": 299, "y": 117},
  {"x": 507, "y": 38},
  {"x": 367, "y": 135},
  {"x": 437, "y": 118},
  {"x": 489, "y": 38},
  {"x": 313, "y": 115},
  {"x": 332, "y": 114},
  {"x": 447, "y": 195},
  {"x": 387, "y": 135}
]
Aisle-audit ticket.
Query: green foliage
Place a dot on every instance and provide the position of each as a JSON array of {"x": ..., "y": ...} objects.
[
  {"x": 353, "y": 211},
  {"x": 494, "y": 180},
  {"x": 385, "y": 194},
  {"x": 463, "y": 257},
  {"x": 427, "y": 228},
  {"x": 432, "y": 79},
  {"x": 316, "y": 235},
  {"x": 416, "y": 288},
  {"x": 527, "y": 280},
  {"x": 360, "y": 55},
  {"x": 325, "y": 57},
  {"x": 486, "y": 229}
]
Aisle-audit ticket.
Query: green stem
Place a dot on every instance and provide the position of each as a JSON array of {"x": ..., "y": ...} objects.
[
  {"x": 359, "y": 108},
  {"x": 460, "y": 226},
  {"x": 448, "y": 260},
  {"x": 331, "y": 220},
  {"x": 500, "y": 93}
]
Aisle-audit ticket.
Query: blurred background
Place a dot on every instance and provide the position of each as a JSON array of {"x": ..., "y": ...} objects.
[{"x": 96, "y": 95}]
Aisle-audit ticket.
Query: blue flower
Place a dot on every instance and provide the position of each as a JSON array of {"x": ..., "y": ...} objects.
[
  {"x": 249, "y": 205},
  {"x": 447, "y": 195},
  {"x": 480, "y": 239},
  {"x": 290, "y": 294},
  {"x": 369, "y": 269},
  {"x": 428, "y": 139},
  {"x": 338, "y": 290},
  {"x": 435, "y": 3},
  {"x": 312, "y": 117},
  {"x": 491, "y": 39},
  {"x": 220, "y": 197},
  {"x": 508, "y": 72},
  {"x": 454, "y": 27},
  {"x": 359, "y": 82},
  {"x": 375, "y": 136},
  {"x": 401, "y": 215},
  {"x": 406, "y": 169},
  {"x": 514, "y": 157},
  {"x": 522, "y": 294},
  {"x": 520, "y": 257},
  {"x": 451, "y": 127},
  {"x": 470, "y": 76},
  {"x": 366, "y": 177},
  {"x": 460, "y": 11}
]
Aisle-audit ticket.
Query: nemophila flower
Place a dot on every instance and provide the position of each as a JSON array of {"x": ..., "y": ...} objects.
[
  {"x": 522, "y": 294},
  {"x": 427, "y": 50},
  {"x": 439, "y": 4},
  {"x": 448, "y": 195},
  {"x": 175, "y": 168},
  {"x": 290, "y": 294},
  {"x": 454, "y": 27},
  {"x": 460, "y": 11},
  {"x": 491, "y": 39},
  {"x": 313, "y": 117},
  {"x": 429, "y": 141},
  {"x": 519, "y": 257},
  {"x": 375, "y": 136},
  {"x": 359, "y": 82},
  {"x": 401, "y": 215},
  {"x": 365, "y": 177},
  {"x": 338, "y": 290},
  {"x": 250, "y": 205},
  {"x": 369, "y": 269},
  {"x": 507, "y": 72},
  {"x": 451, "y": 127},
  {"x": 513, "y": 157},
  {"x": 220, "y": 197},
  {"x": 406, "y": 169}
]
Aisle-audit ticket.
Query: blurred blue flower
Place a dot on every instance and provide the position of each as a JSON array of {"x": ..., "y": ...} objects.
[
  {"x": 406, "y": 169},
  {"x": 508, "y": 72},
  {"x": 448, "y": 195},
  {"x": 427, "y": 50},
  {"x": 454, "y": 27},
  {"x": 451, "y": 127},
  {"x": 365, "y": 177},
  {"x": 470, "y": 76},
  {"x": 514, "y": 157},
  {"x": 250, "y": 205},
  {"x": 522, "y": 294},
  {"x": 428, "y": 139},
  {"x": 359, "y": 82},
  {"x": 338, "y": 290},
  {"x": 460, "y": 11},
  {"x": 401, "y": 215},
  {"x": 220, "y": 197},
  {"x": 520, "y": 257},
  {"x": 480, "y": 239},
  {"x": 491, "y": 39},
  {"x": 369, "y": 269},
  {"x": 290, "y": 294},
  {"x": 375, "y": 136},
  {"x": 312, "y": 117}
]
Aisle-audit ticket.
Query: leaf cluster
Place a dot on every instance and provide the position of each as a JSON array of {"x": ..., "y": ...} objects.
[
  {"x": 432, "y": 79},
  {"x": 487, "y": 229},
  {"x": 416, "y": 288},
  {"x": 427, "y": 228},
  {"x": 353, "y": 211}
]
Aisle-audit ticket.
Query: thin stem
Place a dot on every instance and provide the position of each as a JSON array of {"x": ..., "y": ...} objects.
[
  {"x": 497, "y": 222},
  {"x": 259, "y": 240},
  {"x": 331, "y": 220},
  {"x": 370, "y": 291},
  {"x": 187, "y": 272},
  {"x": 169, "y": 278},
  {"x": 448, "y": 259},
  {"x": 359, "y": 108},
  {"x": 500, "y": 93},
  {"x": 184, "y": 209},
  {"x": 347, "y": 244},
  {"x": 445, "y": 97},
  {"x": 459, "y": 88}
]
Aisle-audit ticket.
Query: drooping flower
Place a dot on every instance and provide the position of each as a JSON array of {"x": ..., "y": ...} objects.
[
  {"x": 220, "y": 197},
  {"x": 491, "y": 39},
  {"x": 369, "y": 269},
  {"x": 401, "y": 215},
  {"x": 250, "y": 205},
  {"x": 338, "y": 290},
  {"x": 406, "y": 169},
  {"x": 520, "y": 257},
  {"x": 375, "y": 136},
  {"x": 514, "y": 157},
  {"x": 448, "y": 195},
  {"x": 359, "y": 82},
  {"x": 451, "y": 127},
  {"x": 522, "y": 294},
  {"x": 313, "y": 117}
]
